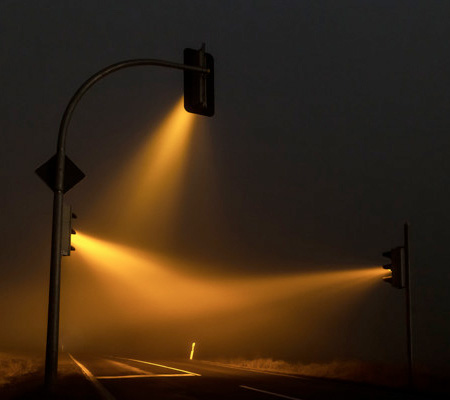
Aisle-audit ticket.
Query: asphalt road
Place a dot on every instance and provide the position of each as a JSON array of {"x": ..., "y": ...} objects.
[{"x": 126, "y": 378}]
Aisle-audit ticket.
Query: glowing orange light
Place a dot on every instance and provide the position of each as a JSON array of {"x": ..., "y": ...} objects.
[
  {"x": 150, "y": 186},
  {"x": 109, "y": 287},
  {"x": 157, "y": 171},
  {"x": 155, "y": 284}
]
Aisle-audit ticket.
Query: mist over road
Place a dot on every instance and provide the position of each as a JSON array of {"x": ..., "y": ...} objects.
[{"x": 131, "y": 378}]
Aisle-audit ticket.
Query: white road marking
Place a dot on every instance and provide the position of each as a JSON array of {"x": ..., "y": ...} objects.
[
  {"x": 129, "y": 368},
  {"x": 88, "y": 374},
  {"x": 187, "y": 373},
  {"x": 141, "y": 376},
  {"x": 271, "y": 393}
]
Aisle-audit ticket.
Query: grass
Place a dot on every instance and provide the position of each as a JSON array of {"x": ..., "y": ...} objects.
[
  {"x": 356, "y": 371},
  {"x": 13, "y": 366}
]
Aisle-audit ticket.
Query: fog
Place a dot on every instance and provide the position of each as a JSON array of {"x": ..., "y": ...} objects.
[
  {"x": 129, "y": 299},
  {"x": 331, "y": 130},
  {"x": 118, "y": 298}
]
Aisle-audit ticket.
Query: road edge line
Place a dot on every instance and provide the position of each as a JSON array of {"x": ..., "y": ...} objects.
[{"x": 91, "y": 378}]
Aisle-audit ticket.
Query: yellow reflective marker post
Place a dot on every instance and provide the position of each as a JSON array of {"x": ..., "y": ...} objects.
[{"x": 192, "y": 351}]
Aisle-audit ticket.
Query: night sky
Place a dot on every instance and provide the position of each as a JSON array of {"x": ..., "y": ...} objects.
[{"x": 331, "y": 130}]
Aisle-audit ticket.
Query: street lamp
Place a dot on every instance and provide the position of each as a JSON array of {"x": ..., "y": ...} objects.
[{"x": 61, "y": 174}]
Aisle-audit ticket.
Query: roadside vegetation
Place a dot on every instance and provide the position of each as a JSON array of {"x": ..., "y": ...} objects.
[
  {"x": 356, "y": 371},
  {"x": 14, "y": 366}
]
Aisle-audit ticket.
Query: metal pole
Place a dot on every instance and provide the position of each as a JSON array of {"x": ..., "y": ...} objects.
[
  {"x": 408, "y": 308},
  {"x": 51, "y": 353}
]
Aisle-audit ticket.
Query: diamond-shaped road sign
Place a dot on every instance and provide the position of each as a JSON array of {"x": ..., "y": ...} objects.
[{"x": 72, "y": 174}]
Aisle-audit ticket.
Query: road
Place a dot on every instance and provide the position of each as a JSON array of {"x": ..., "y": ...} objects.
[{"x": 130, "y": 378}]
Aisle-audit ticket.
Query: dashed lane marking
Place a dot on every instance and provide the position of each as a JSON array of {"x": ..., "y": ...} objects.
[{"x": 282, "y": 396}]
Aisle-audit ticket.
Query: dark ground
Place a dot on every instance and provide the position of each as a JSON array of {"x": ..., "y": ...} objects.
[{"x": 215, "y": 382}]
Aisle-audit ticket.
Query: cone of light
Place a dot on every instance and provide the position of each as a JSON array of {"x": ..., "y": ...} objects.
[{"x": 110, "y": 287}]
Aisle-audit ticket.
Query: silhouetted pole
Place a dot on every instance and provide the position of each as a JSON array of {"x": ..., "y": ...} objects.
[
  {"x": 409, "y": 347},
  {"x": 51, "y": 353}
]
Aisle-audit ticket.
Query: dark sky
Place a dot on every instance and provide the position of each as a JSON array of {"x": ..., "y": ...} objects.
[{"x": 331, "y": 129}]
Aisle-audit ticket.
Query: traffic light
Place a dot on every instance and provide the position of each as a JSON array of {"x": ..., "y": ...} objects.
[
  {"x": 396, "y": 266},
  {"x": 67, "y": 231},
  {"x": 199, "y": 86}
]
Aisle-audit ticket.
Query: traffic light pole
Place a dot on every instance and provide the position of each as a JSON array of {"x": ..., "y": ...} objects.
[
  {"x": 409, "y": 348},
  {"x": 51, "y": 354}
]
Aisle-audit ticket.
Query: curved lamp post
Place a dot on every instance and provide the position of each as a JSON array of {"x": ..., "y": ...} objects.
[{"x": 199, "y": 98}]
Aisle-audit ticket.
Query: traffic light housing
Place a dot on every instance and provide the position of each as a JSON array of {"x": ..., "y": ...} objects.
[
  {"x": 199, "y": 86},
  {"x": 67, "y": 231},
  {"x": 396, "y": 266}
]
